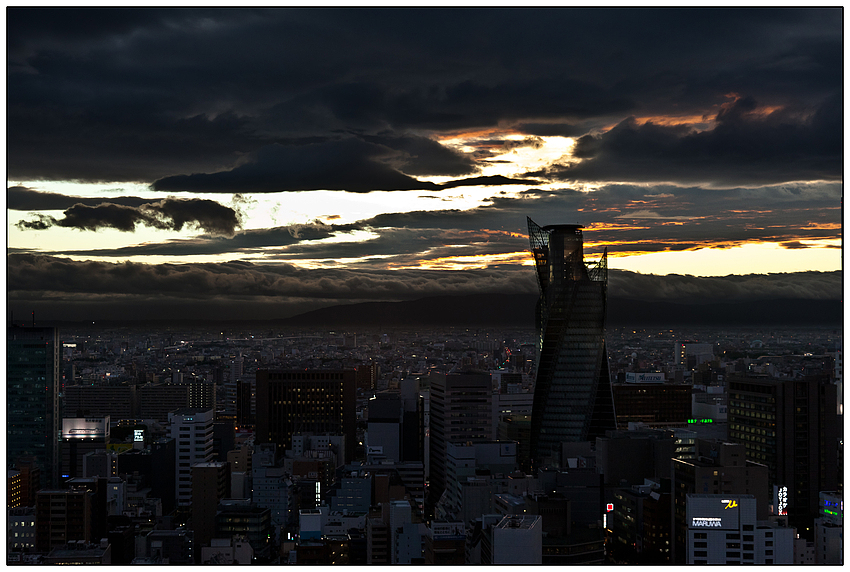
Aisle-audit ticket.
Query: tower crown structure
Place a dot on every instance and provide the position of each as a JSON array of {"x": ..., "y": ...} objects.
[{"x": 572, "y": 395}]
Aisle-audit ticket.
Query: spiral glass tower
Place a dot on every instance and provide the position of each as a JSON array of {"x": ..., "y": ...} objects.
[{"x": 572, "y": 391}]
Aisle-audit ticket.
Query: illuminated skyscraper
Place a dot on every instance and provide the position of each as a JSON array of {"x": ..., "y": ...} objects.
[{"x": 572, "y": 392}]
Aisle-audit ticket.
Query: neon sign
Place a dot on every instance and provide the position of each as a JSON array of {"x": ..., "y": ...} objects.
[{"x": 782, "y": 501}]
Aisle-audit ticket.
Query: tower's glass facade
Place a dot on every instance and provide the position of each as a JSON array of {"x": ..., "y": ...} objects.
[
  {"x": 572, "y": 392},
  {"x": 32, "y": 399}
]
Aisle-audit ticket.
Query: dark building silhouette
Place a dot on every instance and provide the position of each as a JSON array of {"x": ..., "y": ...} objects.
[
  {"x": 62, "y": 516},
  {"x": 33, "y": 418},
  {"x": 651, "y": 403},
  {"x": 210, "y": 484},
  {"x": 792, "y": 426},
  {"x": 572, "y": 392},
  {"x": 156, "y": 463},
  {"x": 306, "y": 401}
]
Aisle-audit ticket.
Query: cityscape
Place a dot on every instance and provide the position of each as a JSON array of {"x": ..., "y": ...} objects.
[
  {"x": 425, "y": 286},
  {"x": 434, "y": 447}
]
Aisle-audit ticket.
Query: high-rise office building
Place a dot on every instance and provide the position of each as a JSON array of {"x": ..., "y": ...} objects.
[
  {"x": 210, "y": 484},
  {"x": 790, "y": 425},
  {"x": 461, "y": 412},
  {"x": 720, "y": 468},
  {"x": 192, "y": 429},
  {"x": 722, "y": 529},
  {"x": 306, "y": 401},
  {"x": 572, "y": 392},
  {"x": 33, "y": 419}
]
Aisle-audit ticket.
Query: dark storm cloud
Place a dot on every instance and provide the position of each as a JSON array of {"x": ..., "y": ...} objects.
[
  {"x": 167, "y": 214},
  {"x": 247, "y": 241},
  {"x": 805, "y": 285},
  {"x": 68, "y": 289},
  {"x": 25, "y": 199},
  {"x": 491, "y": 180},
  {"x": 29, "y": 275},
  {"x": 745, "y": 147},
  {"x": 349, "y": 164},
  {"x": 346, "y": 165},
  {"x": 423, "y": 156},
  {"x": 145, "y": 94},
  {"x": 552, "y": 129}
]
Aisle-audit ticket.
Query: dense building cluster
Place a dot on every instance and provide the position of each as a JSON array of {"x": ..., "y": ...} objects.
[{"x": 414, "y": 446}]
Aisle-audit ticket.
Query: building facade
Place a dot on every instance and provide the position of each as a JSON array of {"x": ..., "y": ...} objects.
[
  {"x": 192, "y": 429},
  {"x": 572, "y": 395},
  {"x": 306, "y": 401},
  {"x": 722, "y": 529},
  {"x": 791, "y": 426},
  {"x": 461, "y": 411},
  {"x": 33, "y": 418}
]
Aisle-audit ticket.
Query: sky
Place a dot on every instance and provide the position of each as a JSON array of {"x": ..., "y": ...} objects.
[{"x": 259, "y": 163}]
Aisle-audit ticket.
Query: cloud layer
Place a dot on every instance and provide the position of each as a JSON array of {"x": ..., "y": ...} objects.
[
  {"x": 250, "y": 100},
  {"x": 98, "y": 290},
  {"x": 167, "y": 214}
]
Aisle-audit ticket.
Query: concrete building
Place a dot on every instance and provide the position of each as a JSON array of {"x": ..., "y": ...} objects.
[
  {"x": 689, "y": 355},
  {"x": 829, "y": 529},
  {"x": 80, "y": 436},
  {"x": 384, "y": 430},
  {"x": 354, "y": 495},
  {"x": 239, "y": 517},
  {"x": 116, "y": 401},
  {"x": 460, "y": 412},
  {"x": 157, "y": 464},
  {"x": 81, "y": 553},
  {"x": 720, "y": 468},
  {"x": 651, "y": 403},
  {"x": 633, "y": 456},
  {"x": 62, "y": 516},
  {"x": 723, "y": 529},
  {"x": 791, "y": 426},
  {"x": 231, "y": 550},
  {"x": 210, "y": 484},
  {"x": 13, "y": 488},
  {"x": 463, "y": 461},
  {"x": 192, "y": 430},
  {"x": 518, "y": 540},
  {"x": 313, "y": 401},
  {"x": 20, "y": 529},
  {"x": 166, "y": 547},
  {"x": 445, "y": 543}
]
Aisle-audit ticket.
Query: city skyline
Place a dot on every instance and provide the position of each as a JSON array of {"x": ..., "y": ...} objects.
[{"x": 262, "y": 163}]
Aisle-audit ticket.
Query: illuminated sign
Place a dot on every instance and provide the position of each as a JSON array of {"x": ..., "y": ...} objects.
[
  {"x": 782, "y": 501},
  {"x": 692, "y": 421},
  {"x": 706, "y": 522},
  {"x": 610, "y": 506},
  {"x": 138, "y": 435},
  {"x": 85, "y": 428},
  {"x": 730, "y": 504},
  {"x": 653, "y": 377}
]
